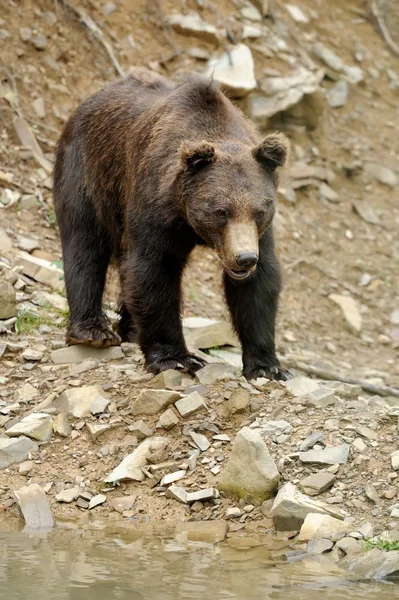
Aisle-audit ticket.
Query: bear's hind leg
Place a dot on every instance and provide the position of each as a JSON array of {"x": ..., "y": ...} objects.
[{"x": 86, "y": 254}]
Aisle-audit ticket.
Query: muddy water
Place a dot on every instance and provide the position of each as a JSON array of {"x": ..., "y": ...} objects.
[{"x": 108, "y": 564}]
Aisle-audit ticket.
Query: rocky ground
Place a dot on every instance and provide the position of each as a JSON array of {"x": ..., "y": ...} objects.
[{"x": 91, "y": 428}]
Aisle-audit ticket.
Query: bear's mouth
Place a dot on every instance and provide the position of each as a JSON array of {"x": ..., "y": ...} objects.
[{"x": 239, "y": 273}]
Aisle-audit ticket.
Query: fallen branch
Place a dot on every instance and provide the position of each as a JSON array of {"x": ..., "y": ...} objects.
[
  {"x": 97, "y": 32},
  {"x": 386, "y": 34},
  {"x": 383, "y": 390}
]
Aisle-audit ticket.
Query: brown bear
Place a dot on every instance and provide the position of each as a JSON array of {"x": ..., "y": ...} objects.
[{"x": 145, "y": 171}]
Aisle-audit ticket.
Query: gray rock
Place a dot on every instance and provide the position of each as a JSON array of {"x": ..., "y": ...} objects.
[
  {"x": 291, "y": 507},
  {"x": 200, "y": 440},
  {"x": 310, "y": 441},
  {"x": 366, "y": 211},
  {"x": 271, "y": 428},
  {"x": 69, "y": 495},
  {"x": 25, "y": 34},
  {"x": 234, "y": 70},
  {"x": 131, "y": 466},
  {"x": 37, "y": 426},
  {"x": 250, "y": 472},
  {"x": 332, "y": 455},
  {"x": 338, "y": 94},
  {"x": 395, "y": 317},
  {"x": 151, "y": 402},
  {"x": 39, "y": 41},
  {"x": 319, "y": 546},
  {"x": 34, "y": 507},
  {"x": 214, "y": 372},
  {"x": 8, "y": 300},
  {"x": 251, "y": 13},
  {"x": 359, "y": 445},
  {"x": 301, "y": 386},
  {"x": 210, "y": 334},
  {"x": 167, "y": 380},
  {"x": 349, "y": 545},
  {"x": 15, "y": 450},
  {"x": 395, "y": 460},
  {"x": 40, "y": 270},
  {"x": 202, "y": 495},
  {"x": 190, "y": 404},
  {"x": 238, "y": 402},
  {"x": 317, "y": 483},
  {"x": 26, "y": 467},
  {"x": 366, "y": 530},
  {"x": 374, "y": 564},
  {"x": 48, "y": 300},
  {"x": 328, "y": 57},
  {"x": 31, "y": 355},
  {"x": 382, "y": 173},
  {"x": 61, "y": 425},
  {"x": 318, "y": 526},
  {"x": 122, "y": 503},
  {"x": 83, "y": 367},
  {"x": 208, "y": 532},
  {"x": 40, "y": 110},
  {"x": 173, "y": 477},
  {"x": 140, "y": 429},
  {"x": 97, "y": 430},
  {"x": 168, "y": 419},
  {"x": 79, "y": 353},
  {"x": 194, "y": 25},
  {"x": 99, "y": 405},
  {"x": 322, "y": 397},
  {"x": 177, "y": 493},
  {"x": 27, "y": 393},
  {"x": 79, "y": 401},
  {"x": 327, "y": 193},
  {"x": 97, "y": 500}
]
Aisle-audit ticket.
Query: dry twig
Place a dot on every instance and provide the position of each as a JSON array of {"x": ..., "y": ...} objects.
[{"x": 97, "y": 32}]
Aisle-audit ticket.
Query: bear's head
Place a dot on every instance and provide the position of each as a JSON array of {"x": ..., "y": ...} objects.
[{"x": 228, "y": 196}]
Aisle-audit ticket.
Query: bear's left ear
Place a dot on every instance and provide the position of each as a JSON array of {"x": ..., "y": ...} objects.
[
  {"x": 273, "y": 151},
  {"x": 197, "y": 155}
]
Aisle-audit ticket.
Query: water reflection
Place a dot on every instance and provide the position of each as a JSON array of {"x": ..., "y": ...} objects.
[{"x": 133, "y": 565}]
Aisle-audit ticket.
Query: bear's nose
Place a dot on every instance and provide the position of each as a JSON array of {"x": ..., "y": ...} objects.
[{"x": 247, "y": 260}]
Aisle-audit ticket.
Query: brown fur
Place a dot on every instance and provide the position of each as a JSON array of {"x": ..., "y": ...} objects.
[{"x": 145, "y": 171}]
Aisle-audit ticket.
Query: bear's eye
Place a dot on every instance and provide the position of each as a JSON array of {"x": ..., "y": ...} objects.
[
  {"x": 260, "y": 215},
  {"x": 221, "y": 213}
]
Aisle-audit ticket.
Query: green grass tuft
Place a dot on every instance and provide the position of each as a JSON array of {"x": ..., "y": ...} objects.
[{"x": 381, "y": 544}]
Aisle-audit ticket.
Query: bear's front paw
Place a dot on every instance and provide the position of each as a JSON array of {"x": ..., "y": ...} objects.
[
  {"x": 189, "y": 364},
  {"x": 275, "y": 372}
]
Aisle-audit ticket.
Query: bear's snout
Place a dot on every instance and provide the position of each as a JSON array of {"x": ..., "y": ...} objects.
[{"x": 240, "y": 250}]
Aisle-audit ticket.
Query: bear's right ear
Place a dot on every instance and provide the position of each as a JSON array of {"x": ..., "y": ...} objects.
[
  {"x": 197, "y": 155},
  {"x": 273, "y": 151}
]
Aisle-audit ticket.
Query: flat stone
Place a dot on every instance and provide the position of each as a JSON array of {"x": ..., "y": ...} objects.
[
  {"x": 322, "y": 397},
  {"x": 271, "y": 428},
  {"x": 208, "y": 334},
  {"x": 327, "y": 193},
  {"x": 131, "y": 466},
  {"x": 27, "y": 393},
  {"x": 371, "y": 494},
  {"x": 173, "y": 477},
  {"x": 99, "y": 405},
  {"x": 366, "y": 211},
  {"x": 5, "y": 240},
  {"x": 373, "y": 564},
  {"x": 37, "y": 426},
  {"x": 291, "y": 507},
  {"x": 208, "y": 532},
  {"x": 214, "y": 372},
  {"x": 233, "y": 512},
  {"x": 122, "y": 503},
  {"x": 200, "y": 440},
  {"x": 238, "y": 402},
  {"x": 177, "y": 493},
  {"x": 317, "y": 483},
  {"x": 79, "y": 401},
  {"x": 234, "y": 70},
  {"x": 97, "y": 430},
  {"x": 34, "y": 507},
  {"x": 83, "y": 367},
  {"x": 15, "y": 450},
  {"x": 140, "y": 429},
  {"x": 296, "y": 13},
  {"x": 251, "y": 13},
  {"x": 301, "y": 386},
  {"x": 168, "y": 419},
  {"x": 79, "y": 353},
  {"x": 319, "y": 546},
  {"x": 337, "y": 96},
  {"x": 310, "y": 441},
  {"x": 350, "y": 310},
  {"x": 395, "y": 460},
  {"x": 26, "y": 467},
  {"x": 8, "y": 300},
  {"x": 250, "y": 473},
  {"x": 69, "y": 495},
  {"x": 167, "y": 380},
  {"x": 382, "y": 173},
  {"x": 190, "y": 404},
  {"x": 202, "y": 495},
  {"x": 319, "y": 526},
  {"x": 331, "y": 455},
  {"x": 39, "y": 41},
  {"x": 40, "y": 110},
  {"x": 328, "y": 57},
  {"x": 151, "y": 402},
  {"x": 61, "y": 425},
  {"x": 349, "y": 545},
  {"x": 48, "y": 300},
  {"x": 359, "y": 445},
  {"x": 31, "y": 355},
  {"x": 194, "y": 25},
  {"x": 344, "y": 390},
  {"x": 39, "y": 269},
  {"x": 97, "y": 500},
  {"x": 367, "y": 530}
]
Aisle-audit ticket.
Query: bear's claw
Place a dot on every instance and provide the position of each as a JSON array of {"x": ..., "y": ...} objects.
[
  {"x": 189, "y": 364},
  {"x": 97, "y": 334},
  {"x": 276, "y": 372}
]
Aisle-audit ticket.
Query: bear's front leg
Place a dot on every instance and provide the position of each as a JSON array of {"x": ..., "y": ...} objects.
[
  {"x": 153, "y": 296},
  {"x": 253, "y": 306}
]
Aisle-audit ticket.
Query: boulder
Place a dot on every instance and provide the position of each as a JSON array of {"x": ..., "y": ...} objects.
[
  {"x": 317, "y": 526},
  {"x": 15, "y": 450},
  {"x": 234, "y": 70},
  {"x": 79, "y": 402},
  {"x": 250, "y": 473},
  {"x": 37, "y": 426},
  {"x": 79, "y": 353},
  {"x": 34, "y": 507}
]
